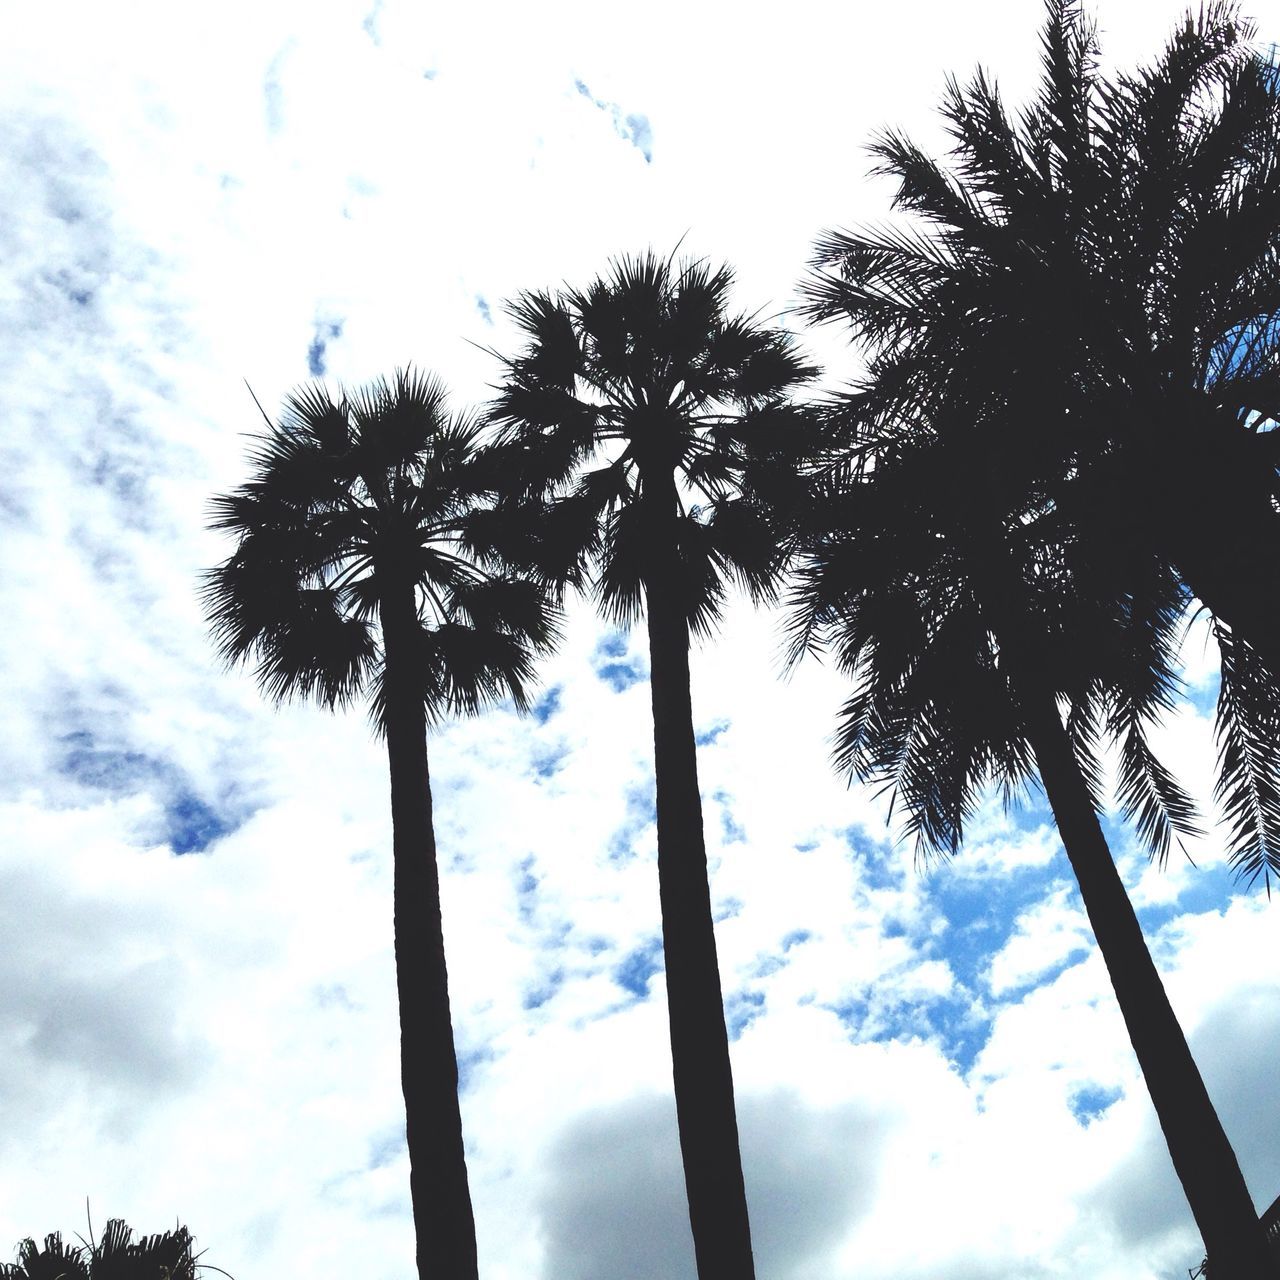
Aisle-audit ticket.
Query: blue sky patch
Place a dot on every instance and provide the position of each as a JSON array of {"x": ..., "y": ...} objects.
[
  {"x": 620, "y": 676},
  {"x": 538, "y": 995},
  {"x": 527, "y": 889},
  {"x": 326, "y": 331},
  {"x": 104, "y": 768},
  {"x": 387, "y": 1148},
  {"x": 881, "y": 865},
  {"x": 853, "y": 1013},
  {"x": 73, "y": 286},
  {"x": 469, "y": 1063},
  {"x": 482, "y": 306},
  {"x": 612, "y": 665},
  {"x": 740, "y": 1010},
  {"x": 630, "y": 126},
  {"x": 959, "y": 1027},
  {"x": 548, "y": 761},
  {"x": 637, "y": 967},
  {"x": 981, "y": 911},
  {"x": 614, "y": 645},
  {"x": 1208, "y": 889},
  {"x": 1246, "y": 344},
  {"x": 547, "y": 705},
  {"x": 640, "y": 813},
  {"x": 1091, "y": 1101},
  {"x": 708, "y": 736},
  {"x": 189, "y": 823},
  {"x": 795, "y": 938},
  {"x": 731, "y": 830}
]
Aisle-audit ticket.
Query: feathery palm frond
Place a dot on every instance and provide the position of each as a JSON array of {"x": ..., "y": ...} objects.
[
  {"x": 1248, "y": 785},
  {"x": 1087, "y": 300}
]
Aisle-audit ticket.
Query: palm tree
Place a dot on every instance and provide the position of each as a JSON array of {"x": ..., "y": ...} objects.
[
  {"x": 1104, "y": 273},
  {"x": 355, "y": 523},
  {"x": 639, "y": 427},
  {"x": 117, "y": 1256},
  {"x": 949, "y": 589}
]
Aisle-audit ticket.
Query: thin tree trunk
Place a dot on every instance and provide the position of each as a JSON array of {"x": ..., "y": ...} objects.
[
  {"x": 701, "y": 1070},
  {"x": 442, "y": 1215},
  {"x": 1202, "y": 1157}
]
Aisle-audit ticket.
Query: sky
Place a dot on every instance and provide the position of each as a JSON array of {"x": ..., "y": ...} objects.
[{"x": 197, "y": 1000}]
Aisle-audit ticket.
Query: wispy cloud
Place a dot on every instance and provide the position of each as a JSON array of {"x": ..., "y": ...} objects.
[{"x": 630, "y": 126}]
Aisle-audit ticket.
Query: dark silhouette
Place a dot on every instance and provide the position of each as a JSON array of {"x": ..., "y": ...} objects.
[
  {"x": 936, "y": 572},
  {"x": 117, "y": 1256},
  {"x": 1104, "y": 272},
  {"x": 630, "y": 426},
  {"x": 358, "y": 513}
]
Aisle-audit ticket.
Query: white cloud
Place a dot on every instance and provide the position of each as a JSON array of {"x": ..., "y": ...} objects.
[{"x": 1049, "y": 935}]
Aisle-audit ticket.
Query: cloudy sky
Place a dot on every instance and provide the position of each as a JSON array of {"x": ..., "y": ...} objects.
[{"x": 197, "y": 1010}]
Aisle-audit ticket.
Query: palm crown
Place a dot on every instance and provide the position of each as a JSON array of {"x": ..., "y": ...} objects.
[
  {"x": 354, "y": 500},
  {"x": 638, "y": 378},
  {"x": 1087, "y": 302},
  {"x": 935, "y": 579}
]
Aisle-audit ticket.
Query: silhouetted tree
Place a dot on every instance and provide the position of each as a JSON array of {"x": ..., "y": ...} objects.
[
  {"x": 1103, "y": 272},
  {"x": 947, "y": 587},
  {"x": 116, "y": 1256},
  {"x": 638, "y": 428},
  {"x": 354, "y": 573}
]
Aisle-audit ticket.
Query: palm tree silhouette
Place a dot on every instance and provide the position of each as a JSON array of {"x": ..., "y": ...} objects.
[
  {"x": 1104, "y": 274},
  {"x": 639, "y": 428},
  {"x": 357, "y": 521},
  {"x": 116, "y": 1256},
  {"x": 946, "y": 586}
]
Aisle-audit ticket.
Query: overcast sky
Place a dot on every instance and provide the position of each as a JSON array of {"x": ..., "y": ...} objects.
[{"x": 197, "y": 1001}]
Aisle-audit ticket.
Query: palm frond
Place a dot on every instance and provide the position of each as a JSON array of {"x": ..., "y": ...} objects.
[
  {"x": 348, "y": 499},
  {"x": 622, "y": 385},
  {"x": 1248, "y": 782}
]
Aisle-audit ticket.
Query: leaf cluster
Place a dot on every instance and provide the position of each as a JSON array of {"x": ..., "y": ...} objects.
[
  {"x": 115, "y": 1256},
  {"x": 1078, "y": 315},
  {"x": 355, "y": 501},
  {"x": 648, "y": 439}
]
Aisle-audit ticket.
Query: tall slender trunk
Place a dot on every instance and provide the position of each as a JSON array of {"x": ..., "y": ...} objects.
[
  {"x": 442, "y": 1216},
  {"x": 703, "y": 1078},
  {"x": 1202, "y": 1157}
]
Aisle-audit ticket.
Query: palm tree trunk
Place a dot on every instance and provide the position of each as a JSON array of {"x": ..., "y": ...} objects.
[
  {"x": 1202, "y": 1156},
  {"x": 703, "y": 1078},
  {"x": 442, "y": 1215}
]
